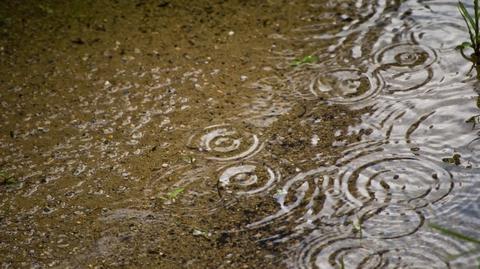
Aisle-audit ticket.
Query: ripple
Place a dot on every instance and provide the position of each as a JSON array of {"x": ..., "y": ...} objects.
[
  {"x": 342, "y": 86},
  {"x": 462, "y": 204},
  {"x": 195, "y": 187},
  {"x": 248, "y": 179},
  {"x": 470, "y": 153},
  {"x": 445, "y": 32},
  {"x": 413, "y": 257},
  {"x": 441, "y": 34},
  {"x": 225, "y": 143},
  {"x": 351, "y": 27},
  {"x": 306, "y": 202},
  {"x": 367, "y": 253},
  {"x": 305, "y": 252},
  {"x": 408, "y": 56},
  {"x": 405, "y": 67},
  {"x": 385, "y": 116},
  {"x": 438, "y": 125},
  {"x": 405, "y": 180},
  {"x": 433, "y": 125},
  {"x": 352, "y": 254},
  {"x": 266, "y": 107},
  {"x": 391, "y": 221}
]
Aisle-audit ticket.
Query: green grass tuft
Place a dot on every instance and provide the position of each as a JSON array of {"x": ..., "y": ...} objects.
[
  {"x": 472, "y": 22},
  {"x": 309, "y": 59}
]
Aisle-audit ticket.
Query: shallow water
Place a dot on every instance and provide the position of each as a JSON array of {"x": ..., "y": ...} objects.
[{"x": 178, "y": 134}]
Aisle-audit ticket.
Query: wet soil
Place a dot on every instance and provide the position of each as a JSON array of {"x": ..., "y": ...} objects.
[{"x": 98, "y": 101}]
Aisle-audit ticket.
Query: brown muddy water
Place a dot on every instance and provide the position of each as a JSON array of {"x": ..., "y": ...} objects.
[{"x": 178, "y": 134}]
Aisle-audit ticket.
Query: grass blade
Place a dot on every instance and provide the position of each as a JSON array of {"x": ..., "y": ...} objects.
[
  {"x": 454, "y": 234},
  {"x": 467, "y": 16},
  {"x": 469, "y": 21},
  {"x": 305, "y": 60},
  {"x": 475, "y": 11}
]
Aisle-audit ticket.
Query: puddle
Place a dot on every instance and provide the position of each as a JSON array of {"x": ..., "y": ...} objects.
[{"x": 278, "y": 134}]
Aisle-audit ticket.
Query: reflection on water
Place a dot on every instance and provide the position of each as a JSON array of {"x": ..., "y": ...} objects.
[
  {"x": 396, "y": 180},
  {"x": 387, "y": 187},
  {"x": 369, "y": 208}
]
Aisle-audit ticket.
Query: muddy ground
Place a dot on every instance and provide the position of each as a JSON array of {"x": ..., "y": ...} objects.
[{"x": 98, "y": 102}]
